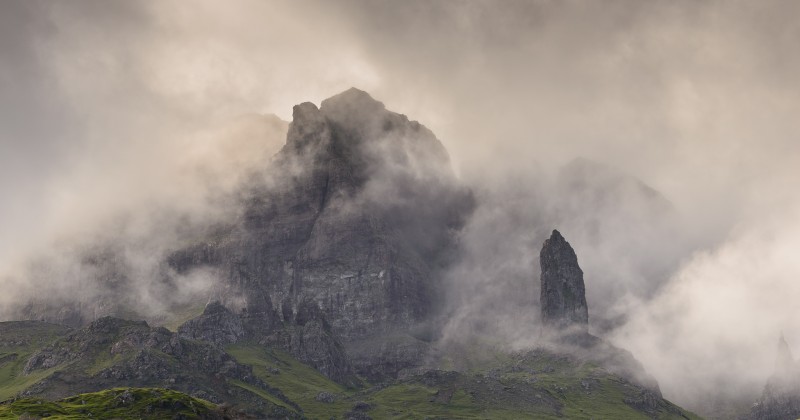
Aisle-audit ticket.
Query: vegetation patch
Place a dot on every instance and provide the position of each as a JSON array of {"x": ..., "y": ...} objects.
[
  {"x": 18, "y": 341},
  {"x": 537, "y": 384},
  {"x": 318, "y": 396},
  {"x": 117, "y": 403}
]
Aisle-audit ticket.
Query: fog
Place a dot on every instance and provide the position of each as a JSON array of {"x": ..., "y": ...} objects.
[{"x": 119, "y": 118}]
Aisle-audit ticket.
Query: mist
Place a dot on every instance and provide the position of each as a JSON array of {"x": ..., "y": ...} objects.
[{"x": 118, "y": 119}]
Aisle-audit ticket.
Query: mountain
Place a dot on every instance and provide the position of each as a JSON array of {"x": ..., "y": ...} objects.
[
  {"x": 328, "y": 300},
  {"x": 362, "y": 213}
]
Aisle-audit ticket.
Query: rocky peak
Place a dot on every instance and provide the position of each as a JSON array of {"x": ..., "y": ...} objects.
[
  {"x": 351, "y": 102},
  {"x": 308, "y": 129},
  {"x": 563, "y": 294},
  {"x": 348, "y": 240}
]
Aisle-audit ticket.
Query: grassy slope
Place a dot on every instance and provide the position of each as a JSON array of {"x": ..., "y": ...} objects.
[
  {"x": 537, "y": 385},
  {"x": 300, "y": 382},
  {"x": 18, "y": 341},
  {"x": 117, "y": 403},
  {"x": 180, "y": 315}
]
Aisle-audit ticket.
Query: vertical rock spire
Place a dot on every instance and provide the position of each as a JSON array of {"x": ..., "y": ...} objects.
[{"x": 563, "y": 294}]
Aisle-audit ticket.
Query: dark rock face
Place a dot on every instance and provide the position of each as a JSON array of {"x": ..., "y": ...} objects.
[
  {"x": 781, "y": 396},
  {"x": 217, "y": 325},
  {"x": 307, "y": 335},
  {"x": 312, "y": 341},
  {"x": 563, "y": 294},
  {"x": 359, "y": 217},
  {"x": 388, "y": 356},
  {"x": 361, "y": 227}
]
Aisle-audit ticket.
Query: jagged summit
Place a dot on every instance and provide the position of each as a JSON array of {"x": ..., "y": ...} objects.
[
  {"x": 359, "y": 129},
  {"x": 563, "y": 294},
  {"x": 351, "y": 101}
]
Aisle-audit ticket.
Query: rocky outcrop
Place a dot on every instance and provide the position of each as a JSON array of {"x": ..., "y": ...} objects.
[
  {"x": 359, "y": 217},
  {"x": 305, "y": 334},
  {"x": 217, "y": 325},
  {"x": 565, "y": 314},
  {"x": 113, "y": 352},
  {"x": 781, "y": 397},
  {"x": 311, "y": 341},
  {"x": 391, "y": 356},
  {"x": 362, "y": 226},
  {"x": 563, "y": 294}
]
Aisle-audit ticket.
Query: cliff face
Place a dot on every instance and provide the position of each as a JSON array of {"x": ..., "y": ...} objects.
[
  {"x": 357, "y": 218},
  {"x": 563, "y": 294}
]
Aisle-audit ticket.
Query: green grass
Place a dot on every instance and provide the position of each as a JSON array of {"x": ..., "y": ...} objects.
[
  {"x": 490, "y": 384},
  {"x": 299, "y": 382},
  {"x": 262, "y": 394},
  {"x": 117, "y": 403},
  {"x": 12, "y": 381},
  {"x": 585, "y": 390},
  {"x": 180, "y": 315},
  {"x": 18, "y": 341},
  {"x": 105, "y": 360},
  {"x": 412, "y": 401},
  {"x": 537, "y": 385}
]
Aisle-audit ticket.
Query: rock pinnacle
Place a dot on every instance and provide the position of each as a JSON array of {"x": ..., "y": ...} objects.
[{"x": 563, "y": 294}]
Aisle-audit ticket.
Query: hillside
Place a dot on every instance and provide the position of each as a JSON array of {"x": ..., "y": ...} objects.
[
  {"x": 118, "y": 403},
  {"x": 539, "y": 383}
]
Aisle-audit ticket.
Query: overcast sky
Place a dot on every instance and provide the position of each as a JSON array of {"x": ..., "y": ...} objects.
[{"x": 105, "y": 104}]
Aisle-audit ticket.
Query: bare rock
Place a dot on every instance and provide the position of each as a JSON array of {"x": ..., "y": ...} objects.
[
  {"x": 360, "y": 217},
  {"x": 325, "y": 397},
  {"x": 563, "y": 293},
  {"x": 217, "y": 325}
]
